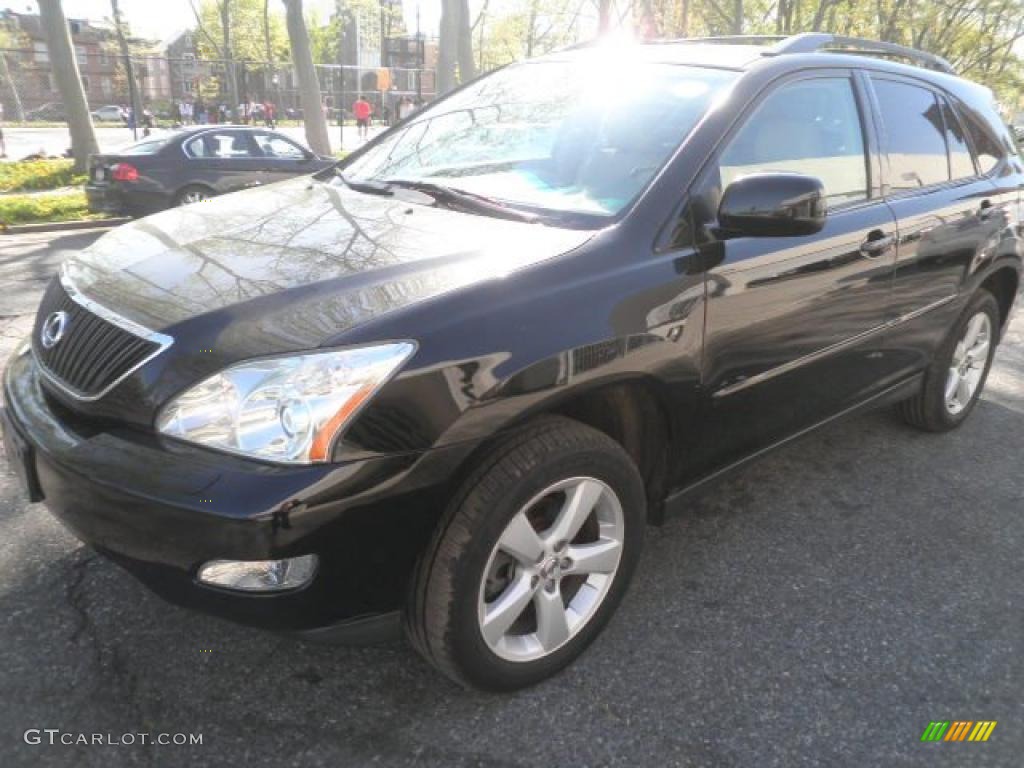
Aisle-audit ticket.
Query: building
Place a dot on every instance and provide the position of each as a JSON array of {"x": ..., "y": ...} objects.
[
  {"x": 413, "y": 60},
  {"x": 100, "y": 65}
]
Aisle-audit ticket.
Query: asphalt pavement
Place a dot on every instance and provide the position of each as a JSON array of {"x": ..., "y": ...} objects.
[{"x": 818, "y": 609}]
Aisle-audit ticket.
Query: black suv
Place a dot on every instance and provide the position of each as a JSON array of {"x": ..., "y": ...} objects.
[{"x": 449, "y": 381}]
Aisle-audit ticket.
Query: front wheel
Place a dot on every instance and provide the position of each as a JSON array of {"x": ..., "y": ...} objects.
[
  {"x": 531, "y": 558},
  {"x": 956, "y": 377}
]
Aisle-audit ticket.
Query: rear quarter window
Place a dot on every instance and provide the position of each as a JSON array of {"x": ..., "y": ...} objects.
[
  {"x": 987, "y": 146},
  {"x": 915, "y": 135}
]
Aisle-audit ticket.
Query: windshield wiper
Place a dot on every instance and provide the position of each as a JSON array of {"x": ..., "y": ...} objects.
[
  {"x": 460, "y": 199},
  {"x": 365, "y": 185}
]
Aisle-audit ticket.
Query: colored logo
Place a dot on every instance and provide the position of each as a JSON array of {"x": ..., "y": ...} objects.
[{"x": 958, "y": 730}]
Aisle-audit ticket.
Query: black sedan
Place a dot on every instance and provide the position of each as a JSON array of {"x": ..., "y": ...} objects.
[{"x": 192, "y": 165}]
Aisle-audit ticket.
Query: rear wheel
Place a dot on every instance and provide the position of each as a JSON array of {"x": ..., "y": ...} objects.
[
  {"x": 956, "y": 377},
  {"x": 194, "y": 194},
  {"x": 531, "y": 558}
]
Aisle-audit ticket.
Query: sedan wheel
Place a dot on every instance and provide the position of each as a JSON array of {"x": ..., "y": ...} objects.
[{"x": 191, "y": 195}]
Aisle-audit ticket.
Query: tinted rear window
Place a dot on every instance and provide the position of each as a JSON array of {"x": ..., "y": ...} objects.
[
  {"x": 915, "y": 133},
  {"x": 961, "y": 166}
]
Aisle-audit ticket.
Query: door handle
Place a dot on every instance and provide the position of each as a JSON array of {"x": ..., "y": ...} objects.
[{"x": 876, "y": 244}]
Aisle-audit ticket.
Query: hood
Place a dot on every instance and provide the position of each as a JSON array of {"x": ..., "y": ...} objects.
[{"x": 304, "y": 259}]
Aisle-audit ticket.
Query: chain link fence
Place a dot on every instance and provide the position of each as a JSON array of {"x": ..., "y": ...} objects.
[{"x": 191, "y": 90}]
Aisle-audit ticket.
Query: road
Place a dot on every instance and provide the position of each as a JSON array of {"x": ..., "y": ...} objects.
[
  {"x": 818, "y": 609},
  {"x": 54, "y": 141}
]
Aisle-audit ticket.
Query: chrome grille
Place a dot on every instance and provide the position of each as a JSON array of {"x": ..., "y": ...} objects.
[{"x": 95, "y": 353}]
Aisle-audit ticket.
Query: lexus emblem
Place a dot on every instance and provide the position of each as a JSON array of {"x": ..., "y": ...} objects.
[{"x": 53, "y": 329}]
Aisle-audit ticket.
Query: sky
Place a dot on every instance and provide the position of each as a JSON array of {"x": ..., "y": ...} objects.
[{"x": 159, "y": 19}]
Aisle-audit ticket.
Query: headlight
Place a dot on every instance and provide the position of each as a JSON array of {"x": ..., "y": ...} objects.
[{"x": 284, "y": 409}]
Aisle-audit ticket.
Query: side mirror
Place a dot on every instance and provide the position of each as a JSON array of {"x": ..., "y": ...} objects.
[{"x": 773, "y": 205}]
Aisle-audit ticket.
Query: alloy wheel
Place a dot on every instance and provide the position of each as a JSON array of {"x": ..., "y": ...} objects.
[
  {"x": 194, "y": 196},
  {"x": 967, "y": 367},
  {"x": 551, "y": 569}
]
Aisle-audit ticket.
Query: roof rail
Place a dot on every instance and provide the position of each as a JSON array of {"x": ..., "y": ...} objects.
[{"x": 810, "y": 42}]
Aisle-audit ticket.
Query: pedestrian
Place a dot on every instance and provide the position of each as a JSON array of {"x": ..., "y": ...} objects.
[
  {"x": 268, "y": 114},
  {"x": 405, "y": 108},
  {"x": 362, "y": 111}
]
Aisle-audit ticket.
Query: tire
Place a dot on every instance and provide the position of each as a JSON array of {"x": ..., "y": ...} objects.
[
  {"x": 463, "y": 574},
  {"x": 194, "y": 193},
  {"x": 931, "y": 409}
]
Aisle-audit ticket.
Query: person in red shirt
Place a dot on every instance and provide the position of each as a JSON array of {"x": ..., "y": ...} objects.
[{"x": 362, "y": 110}]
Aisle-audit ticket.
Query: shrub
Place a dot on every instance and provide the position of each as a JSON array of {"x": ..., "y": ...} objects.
[{"x": 37, "y": 175}]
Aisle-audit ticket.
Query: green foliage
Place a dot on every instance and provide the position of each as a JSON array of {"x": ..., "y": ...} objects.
[
  {"x": 30, "y": 209},
  {"x": 324, "y": 36},
  {"x": 977, "y": 36},
  {"x": 38, "y": 175},
  {"x": 247, "y": 30}
]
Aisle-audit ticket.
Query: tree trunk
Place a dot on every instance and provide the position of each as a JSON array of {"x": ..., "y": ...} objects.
[
  {"x": 126, "y": 54},
  {"x": 309, "y": 85},
  {"x": 69, "y": 82},
  {"x": 467, "y": 67},
  {"x": 447, "y": 47},
  {"x": 737, "y": 17},
  {"x": 604, "y": 16},
  {"x": 229, "y": 58},
  {"x": 270, "y": 73}
]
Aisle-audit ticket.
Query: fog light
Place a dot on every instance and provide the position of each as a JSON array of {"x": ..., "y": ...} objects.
[{"x": 259, "y": 575}]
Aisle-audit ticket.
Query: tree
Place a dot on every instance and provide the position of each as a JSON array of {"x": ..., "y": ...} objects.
[
  {"x": 126, "y": 57},
  {"x": 455, "y": 47},
  {"x": 69, "y": 82},
  {"x": 309, "y": 85},
  {"x": 5, "y": 73},
  {"x": 238, "y": 31}
]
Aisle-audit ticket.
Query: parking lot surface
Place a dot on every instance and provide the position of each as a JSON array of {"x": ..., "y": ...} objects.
[{"x": 819, "y": 608}]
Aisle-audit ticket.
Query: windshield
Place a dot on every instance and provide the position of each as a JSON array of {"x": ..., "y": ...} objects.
[{"x": 559, "y": 136}]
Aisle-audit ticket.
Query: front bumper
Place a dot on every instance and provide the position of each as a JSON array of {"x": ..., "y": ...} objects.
[{"x": 161, "y": 509}]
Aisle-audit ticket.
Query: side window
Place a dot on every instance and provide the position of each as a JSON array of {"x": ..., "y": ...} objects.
[
  {"x": 914, "y": 131},
  {"x": 811, "y": 127},
  {"x": 224, "y": 145},
  {"x": 988, "y": 149},
  {"x": 196, "y": 147},
  {"x": 961, "y": 166},
  {"x": 276, "y": 146}
]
